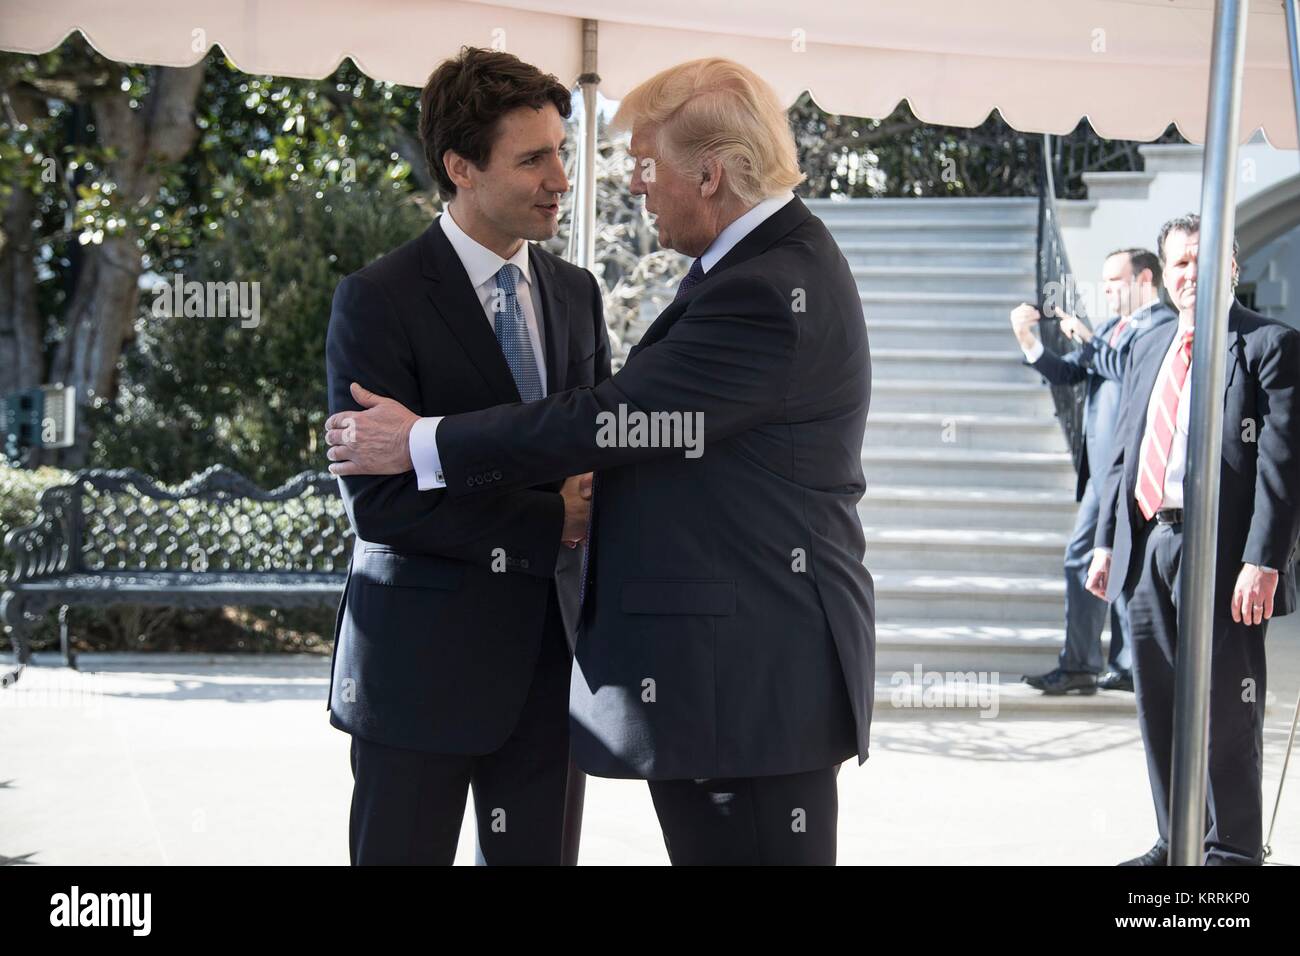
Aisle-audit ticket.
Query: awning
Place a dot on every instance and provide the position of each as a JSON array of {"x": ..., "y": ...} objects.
[{"x": 1131, "y": 66}]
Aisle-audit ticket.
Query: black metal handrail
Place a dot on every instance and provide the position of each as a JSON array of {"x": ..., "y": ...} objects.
[{"x": 1056, "y": 287}]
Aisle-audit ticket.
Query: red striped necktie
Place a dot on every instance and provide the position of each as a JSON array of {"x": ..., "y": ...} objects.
[
  {"x": 1117, "y": 331},
  {"x": 1159, "y": 437}
]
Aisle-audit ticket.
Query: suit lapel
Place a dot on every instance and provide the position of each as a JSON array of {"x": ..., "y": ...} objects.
[
  {"x": 453, "y": 298},
  {"x": 554, "y": 319}
]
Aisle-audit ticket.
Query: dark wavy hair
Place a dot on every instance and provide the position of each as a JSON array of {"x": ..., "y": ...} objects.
[
  {"x": 465, "y": 98},
  {"x": 1189, "y": 224}
]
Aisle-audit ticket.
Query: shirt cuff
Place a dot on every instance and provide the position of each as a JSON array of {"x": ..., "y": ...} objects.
[
  {"x": 1269, "y": 570},
  {"x": 1034, "y": 352},
  {"x": 424, "y": 454}
]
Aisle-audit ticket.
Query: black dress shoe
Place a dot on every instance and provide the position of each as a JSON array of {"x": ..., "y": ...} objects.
[
  {"x": 1116, "y": 680},
  {"x": 1036, "y": 680},
  {"x": 1158, "y": 855},
  {"x": 1057, "y": 682}
]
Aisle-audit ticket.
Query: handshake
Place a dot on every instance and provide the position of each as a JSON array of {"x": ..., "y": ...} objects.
[{"x": 577, "y": 509}]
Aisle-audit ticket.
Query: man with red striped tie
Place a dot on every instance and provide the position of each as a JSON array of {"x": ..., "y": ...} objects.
[{"x": 1259, "y": 525}]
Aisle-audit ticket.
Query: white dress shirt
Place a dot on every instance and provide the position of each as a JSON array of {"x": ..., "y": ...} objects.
[
  {"x": 1176, "y": 466},
  {"x": 423, "y": 440},
  {"x": 481, "y": 265}
]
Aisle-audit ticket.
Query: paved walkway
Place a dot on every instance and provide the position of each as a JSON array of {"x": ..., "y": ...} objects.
[{"x": 187, "y": 759}]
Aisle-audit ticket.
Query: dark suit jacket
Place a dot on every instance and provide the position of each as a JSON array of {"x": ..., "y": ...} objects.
[
  {"x": 434, "y": 650},
  {"x": 1259, "y": 489},
  {"x": 729, "y": 626},
  {"x": 1102, "y": 367}
]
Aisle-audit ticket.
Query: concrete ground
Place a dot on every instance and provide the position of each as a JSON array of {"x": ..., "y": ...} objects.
[{"x": 189, "y": 759}]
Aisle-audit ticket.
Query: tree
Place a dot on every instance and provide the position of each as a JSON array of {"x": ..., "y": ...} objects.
[
  {"x": 203, "y": 390},
  {"x": 109, "y": 170}
]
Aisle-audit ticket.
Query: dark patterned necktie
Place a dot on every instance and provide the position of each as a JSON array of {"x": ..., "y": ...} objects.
[{"x": 695, "y": 274}]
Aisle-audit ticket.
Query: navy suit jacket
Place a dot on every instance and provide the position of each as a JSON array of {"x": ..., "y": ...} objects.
[
  {"x": 729, "y": 623},
  {"x": 1259, "y": 477},
  {"x": 1102, "y": 367},
  {"x": 435, "y": 645}
]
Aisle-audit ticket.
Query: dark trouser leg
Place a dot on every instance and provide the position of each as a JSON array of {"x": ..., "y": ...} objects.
[
  {"x": 519, "y": 789},
  {"x": 1236, "y": 754},
  {"x": 785, "y": 820},
  {"x": 1153, "y": 633},
  {"x": 406, "y": 805},
  {"x": 1238, "y": 675},
  {"x": 1085, "y": 614},
  {"x": 1120, "y": 656}
]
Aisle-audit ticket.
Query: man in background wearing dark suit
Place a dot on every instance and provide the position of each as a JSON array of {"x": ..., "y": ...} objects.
[
  {"x": 1258, "y": 528},
  {"x": 726, "y": 652},
  {"x": 1131, "y": 283},
  {"x": 451, "y": 657}
]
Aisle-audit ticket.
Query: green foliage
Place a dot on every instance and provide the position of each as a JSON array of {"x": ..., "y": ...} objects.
[
  {"x": 899, "y": 156},
  {"x": 198, "y": 391},
  {"x": 19, "y": 491}
]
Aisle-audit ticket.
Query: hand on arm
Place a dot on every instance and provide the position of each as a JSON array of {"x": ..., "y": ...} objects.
[{"x": 367, "y": 343}]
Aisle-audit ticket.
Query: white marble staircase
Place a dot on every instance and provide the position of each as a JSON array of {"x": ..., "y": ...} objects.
[{"x": 969, "y": 483}]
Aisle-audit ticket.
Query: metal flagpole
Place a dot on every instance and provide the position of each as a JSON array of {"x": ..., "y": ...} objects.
[
  {"x": 1205, "y": 438},
  {"x": 584, "y": 202},
  {"x": 584, "y": 229},
  {"x": 1293, "y": 44}
]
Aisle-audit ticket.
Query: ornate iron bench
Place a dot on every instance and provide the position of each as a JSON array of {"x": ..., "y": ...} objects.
[{"x": 117, "y": 537}]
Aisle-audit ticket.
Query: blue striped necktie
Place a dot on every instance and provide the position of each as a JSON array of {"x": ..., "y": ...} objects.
[{"x": 512, "y": 332}]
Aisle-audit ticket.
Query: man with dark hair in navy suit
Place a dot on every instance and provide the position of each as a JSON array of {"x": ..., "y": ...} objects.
[{"x": 451, "y": 654}]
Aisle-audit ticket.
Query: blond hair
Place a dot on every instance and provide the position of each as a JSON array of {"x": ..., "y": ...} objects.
[{"x": 718, "y": 107}]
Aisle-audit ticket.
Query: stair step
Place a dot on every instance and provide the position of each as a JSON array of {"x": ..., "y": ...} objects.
[
  {"x": 858, "y": 228},
  {"x": 982, "y": 334},
  {"x": 981, "y": 693},
  {"x": 991, "y": 366},
  {"x": 890, "y": 393},
  {"x": 958, "y": 280},
  {"x": 876, "y": 252},
  {"x": 1023, "y": 207},
  {"x": 989, "y": 431},
  {"x": 940, "y": 307},
  {"x": 967, "y": 597},
  {"x": 913, "y": 506},
  {"x": 962, "y": 549},
  {"x": 960, "y": 468}
]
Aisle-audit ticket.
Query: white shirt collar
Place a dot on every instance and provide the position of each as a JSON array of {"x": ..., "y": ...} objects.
[
  {"x": 1140, "y": 314},
  {"x": 740, "y": 228},
  {"x": 480, "y": 262}
]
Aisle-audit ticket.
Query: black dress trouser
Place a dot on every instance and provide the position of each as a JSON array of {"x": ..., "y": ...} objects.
[
  {"x": 407, "y": 805},
  {"x": 786, "y": 820},
  {"x": 1234, "y": 814}
]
